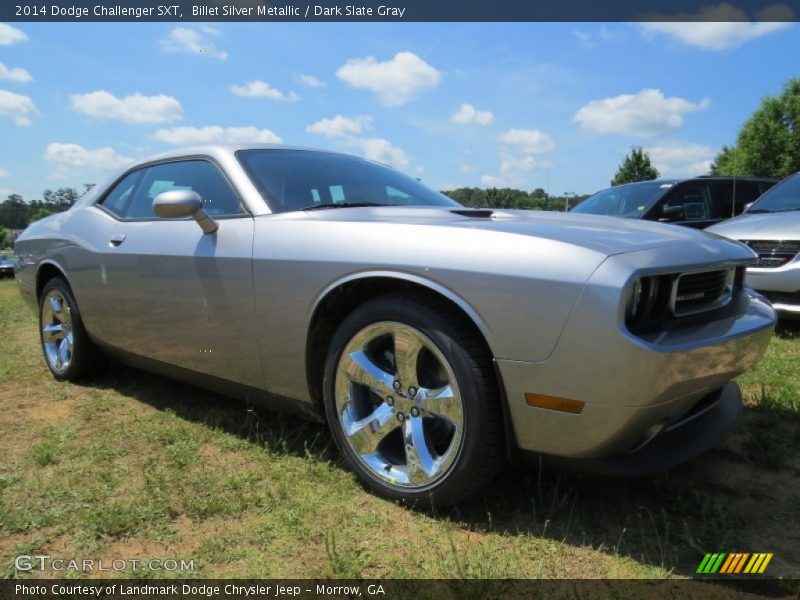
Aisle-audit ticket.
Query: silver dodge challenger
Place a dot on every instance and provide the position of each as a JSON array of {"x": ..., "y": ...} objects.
[{"x": 437, "y": 341}]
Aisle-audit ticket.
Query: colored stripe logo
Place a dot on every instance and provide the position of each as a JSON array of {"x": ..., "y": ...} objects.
[{"x": 734, "y": 563}]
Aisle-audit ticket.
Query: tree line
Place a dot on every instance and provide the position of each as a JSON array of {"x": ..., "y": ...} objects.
[
  {"x": 538, "y": 199},
  {"x": 16, "y": 213}
]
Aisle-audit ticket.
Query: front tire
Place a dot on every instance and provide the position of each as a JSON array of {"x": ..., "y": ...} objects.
[
  {"x": 68, "y": 351},
  {"x": 412, "y": 401}
]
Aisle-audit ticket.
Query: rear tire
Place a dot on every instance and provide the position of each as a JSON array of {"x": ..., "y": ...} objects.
[
  {"x": 68, "y": 351},
  {"x": 412, "y": 401}
]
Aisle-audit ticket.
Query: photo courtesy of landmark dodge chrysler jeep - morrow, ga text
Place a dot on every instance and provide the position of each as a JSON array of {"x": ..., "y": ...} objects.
[{"x": 434, "y": 339}]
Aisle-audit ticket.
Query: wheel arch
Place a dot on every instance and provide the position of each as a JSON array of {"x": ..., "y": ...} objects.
[
  {"x": 343, "y": 296},
  {"x": 47, "y": 270}
]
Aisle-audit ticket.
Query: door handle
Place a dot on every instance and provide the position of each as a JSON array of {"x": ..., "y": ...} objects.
[{"x": 117, "y": 239}]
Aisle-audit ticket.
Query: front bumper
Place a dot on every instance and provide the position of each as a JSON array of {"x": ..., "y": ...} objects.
[
  {"x": 709, "y": 422},
  {"x": 781, "y": 285},
  {"x": 635, "y": 391}
]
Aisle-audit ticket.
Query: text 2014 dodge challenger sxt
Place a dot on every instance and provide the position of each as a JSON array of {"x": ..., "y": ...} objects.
[{"x": 434, "y": 339}]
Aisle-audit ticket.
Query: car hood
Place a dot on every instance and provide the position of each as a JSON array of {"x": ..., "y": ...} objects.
[
  {"x": 606, "y": 235},
  {"x": 767, "y": 226}
]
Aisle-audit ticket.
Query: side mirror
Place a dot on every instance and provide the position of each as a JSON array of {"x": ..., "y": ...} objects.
[
  {"x": 179, "y": 204},
  {"x": 673, "y": 213}
]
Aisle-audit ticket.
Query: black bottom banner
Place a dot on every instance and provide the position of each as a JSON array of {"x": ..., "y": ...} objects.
[{"x": 390, "y": 589}]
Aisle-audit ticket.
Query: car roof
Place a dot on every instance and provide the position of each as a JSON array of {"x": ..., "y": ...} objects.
[
  {"x": 220, "y": 149},
  {"x": 732, "y": 177},
  {"x": 219, "y": 152},
  {"x": 701, "y": 178}
]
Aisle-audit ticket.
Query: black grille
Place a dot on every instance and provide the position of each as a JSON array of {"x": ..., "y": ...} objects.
[
  {"x": 773, "y": 253},
  {"x": 696, "y": 292}
]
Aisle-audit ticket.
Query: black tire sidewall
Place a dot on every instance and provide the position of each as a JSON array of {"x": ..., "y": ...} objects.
[{"x": 448, "y": 488}]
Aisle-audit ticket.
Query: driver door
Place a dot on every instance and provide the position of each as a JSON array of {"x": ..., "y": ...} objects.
[{"x": 172, "y": 293}]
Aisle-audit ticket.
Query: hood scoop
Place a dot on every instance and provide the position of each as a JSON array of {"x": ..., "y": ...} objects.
[{"x": 475, "y": 213}]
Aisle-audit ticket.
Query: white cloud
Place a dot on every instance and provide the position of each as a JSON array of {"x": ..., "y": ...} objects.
[
  {"x": 261, "y": 89},
  {"x": 492, "y": 181},
  {"x": 134, "y": 108},
  {"x": 720, "y": 27},
  {"x": 381, "y": 150},
  {"x": 675, "y": 158},
  {"x": 4, "y": 172},
  {"x": 340, "y": 126},
  {"x": 465, "y": 169},
  {"x": 310, "y": 81},
  {"x": 514, "y": 164},
  {"x": 11, "y": 35},
  {"x": 583, "y": 37},
  {"x": 189, "y": 41},
  {"x": 647, "y": 113},
  {"x": 18, "y": 107},
  {"x": 396, "y": 81},
  {"x": 73, "y": 155},
  {"x": 591, "y": 40},
  {"x": 531, "y": 141},
  {"x": 16, "y": 74},
  {"x": 448, "y": 186},
  {"x": 214, "y": 134},
  {"x": 469, "y": 115},
  {"x": 210, "y": 30}
]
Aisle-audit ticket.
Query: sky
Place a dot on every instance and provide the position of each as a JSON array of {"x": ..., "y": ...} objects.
[{"x": 525, "y": 105}]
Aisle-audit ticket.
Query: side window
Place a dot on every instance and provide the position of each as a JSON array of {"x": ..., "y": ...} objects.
[
  {"x": 724, "y": 201},
  {"x": 764, "y": 186},
  {"x": 693, "y": 201},
  {"x": 117, "y": 200},
  {"x": 730, "y": 198},
  {"x": 197, "y": 175},
  {"x": 746, "y": 192}
]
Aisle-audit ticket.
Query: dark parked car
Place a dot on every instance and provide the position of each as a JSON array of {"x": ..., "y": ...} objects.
[
  {"x": 697, "y": 202},
  {"x": 6, "y": 267}
]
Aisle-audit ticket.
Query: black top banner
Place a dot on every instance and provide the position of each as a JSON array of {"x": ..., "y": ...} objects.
[{"x": 400, "y": 10}]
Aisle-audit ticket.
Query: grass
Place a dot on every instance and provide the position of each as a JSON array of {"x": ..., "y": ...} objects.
[{"x": 131, "y": 465}]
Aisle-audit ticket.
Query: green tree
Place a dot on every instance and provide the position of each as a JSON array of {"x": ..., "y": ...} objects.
[
  {"x": 769, "y": 141},
  {"x": 635, "y": 167},
  {"x": 14, "y": 212}
]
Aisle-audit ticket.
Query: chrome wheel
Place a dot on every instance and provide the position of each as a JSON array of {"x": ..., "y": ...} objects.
[
  {"x": 398, "y": 405},
  {"x": 57, "y": 334}
]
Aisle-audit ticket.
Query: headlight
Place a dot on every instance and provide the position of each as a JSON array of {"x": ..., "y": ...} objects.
[{"x": 648, "y": 301}]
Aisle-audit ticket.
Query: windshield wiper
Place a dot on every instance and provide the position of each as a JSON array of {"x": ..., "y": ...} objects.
[
  {"x": 755, "y": 211},
  {"x": 341, "y": 205}
]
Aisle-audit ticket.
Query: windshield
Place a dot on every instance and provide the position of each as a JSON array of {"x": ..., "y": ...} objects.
[
  {"x": 632, "y": 200},
  {"x": 782, "y": 197},
  {"x": 302, "y": 179}
]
